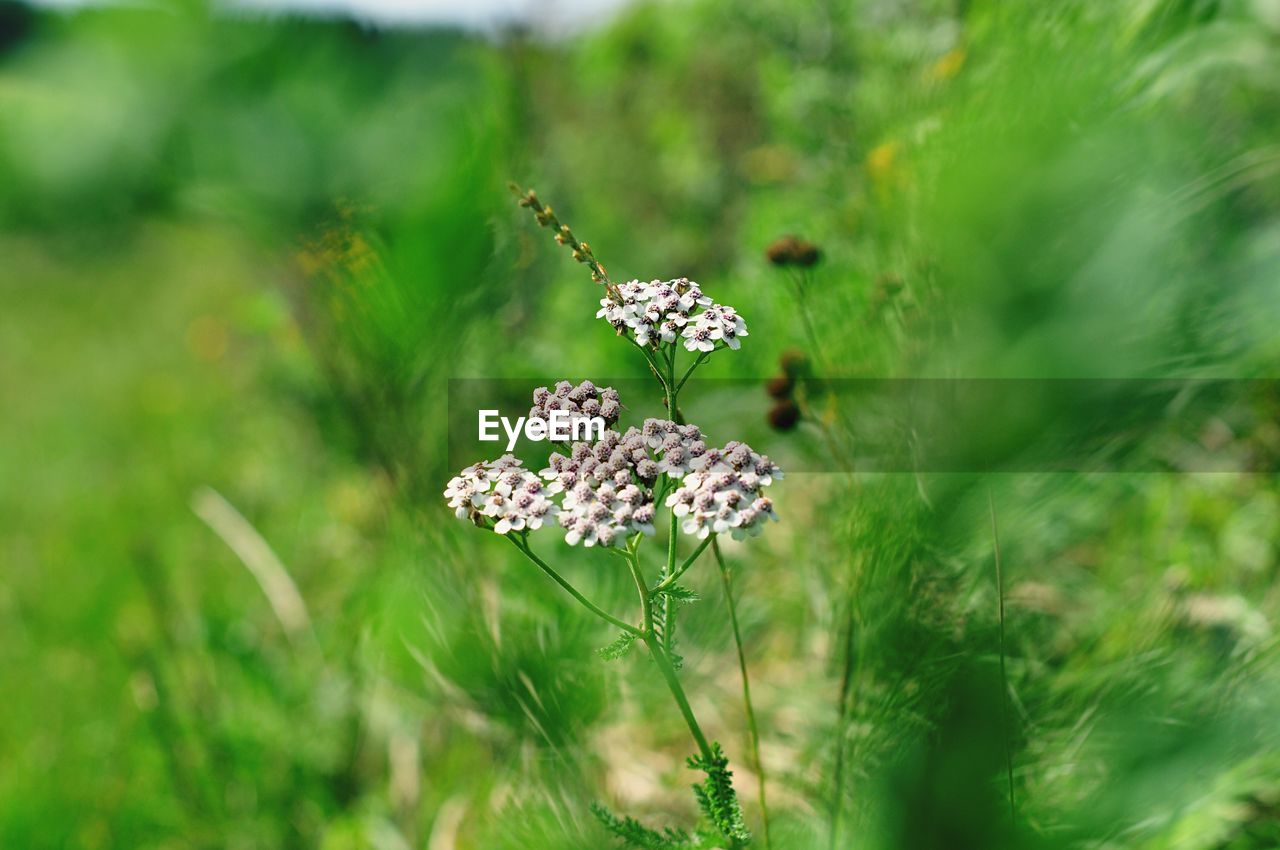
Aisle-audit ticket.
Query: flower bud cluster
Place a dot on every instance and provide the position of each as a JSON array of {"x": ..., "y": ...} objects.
[
  {"x": 664, "y": 311},
  {"x": 724, "y": 493},
  {"x": 585, "y": 399}
]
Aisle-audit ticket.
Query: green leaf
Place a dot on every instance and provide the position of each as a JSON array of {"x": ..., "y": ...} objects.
[
  {"x": 717, "y": 799},
  {"x": 679, "y": 593},
  {"x": 636, "y": 835},
  {"x": 618, "y": 648}
]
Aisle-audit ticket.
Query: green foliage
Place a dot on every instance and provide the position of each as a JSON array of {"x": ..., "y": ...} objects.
[
  {"x": 678, "y": 593},
  {"x": 633, "y": 834},
  {"x": 664, "y": 618},
  {"x": 716, "y": 797},
  {"x": 620, "y": 647},
  {"x": 664, "y": 629},
  {"x": 247, "y": 254}
]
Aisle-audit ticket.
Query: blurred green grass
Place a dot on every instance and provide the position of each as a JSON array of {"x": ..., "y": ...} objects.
[{"x": 246, "y": 255}]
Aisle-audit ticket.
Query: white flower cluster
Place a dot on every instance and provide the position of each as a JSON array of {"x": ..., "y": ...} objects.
[
  {"x": 607, "y": 514},
  {"x": 504, "y": 490},
  {"x": 724, "y": 492},
  {"x": 606, "y": 487},
  {"x": 584, "y": 399},
  {"x": 664, "y": 311},
  {"x": 676, "y": 446}
]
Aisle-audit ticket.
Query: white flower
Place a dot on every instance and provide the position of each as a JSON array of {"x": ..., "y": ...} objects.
[
  {"x": 502, "y": 490},
  {"x": 605, "y": 487},
  {"x": 676, "y": 461},
  {"x": 723, "y": 493},
  {"x": 644, "y": 333},
  {"x": 664, "y": 311},
  {"x": 605, "y": 514},
  {"x": 725, "y": 324},
  {"x": 675, "y": 446},
  {"x": 698, "y": 337},
  {"x": 467, "y": 490},
  {"x": 737, "y": 456}
]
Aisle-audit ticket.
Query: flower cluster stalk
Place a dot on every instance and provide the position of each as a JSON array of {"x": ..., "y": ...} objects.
[{"x": 522, "y": 544}]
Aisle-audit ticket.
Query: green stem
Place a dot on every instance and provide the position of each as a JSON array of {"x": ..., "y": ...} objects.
[
  {"x": 646, "y": 612},
  {"x": 846, "y": 681},
  {"x": 673, "y": 683},
  {"x": 573, "y": 591},
  {"x": 702, "y": 358},
  {"x": 669, "y": 385},
  {"x": 726, "y": 581},
  {"x": 653, "y": 364},
  {"x": 1004, "y": 674},
  {"x": 688, "y": 562},
  {"x": 799, "y": 286},
  {"x": 671, "y": 545},
  {"x": 669, "y": 604},
  {"x": 663, "y": 661}
]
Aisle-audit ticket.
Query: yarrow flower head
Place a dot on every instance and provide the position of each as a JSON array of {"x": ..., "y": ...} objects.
[
  {"x": 583, "y": 400},
  {"x": 501, "y": 490},
  {"x": 663, "y": 311},
  {"x": 606, "y": 514},
  {"x": 724, "y": 493},
  {"x": 738, "y": 457},
  {"x": 715, "y": 324},
  {"x": 675, "y": 446},
  {"x": 607, "y": 488}
]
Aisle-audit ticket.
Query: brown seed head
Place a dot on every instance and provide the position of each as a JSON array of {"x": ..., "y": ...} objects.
[
  {"x": 784, "y": 416},
  {"x": 793, "y": 251},
  {"x": 779, "y": 386}
]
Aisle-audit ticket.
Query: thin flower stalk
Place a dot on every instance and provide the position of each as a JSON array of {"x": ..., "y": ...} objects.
[{"x": 753, "y": 729}]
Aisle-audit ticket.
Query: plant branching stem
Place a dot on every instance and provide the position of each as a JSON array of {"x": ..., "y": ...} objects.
[
  {"x": 671, "y": 545},
  {"x": 726, "y": 580},
  {"x": 702, "y": 358},
  {"x": 688, "y": 562},
  {"x": 662, "y": 660},
  {"x": 573, "y": 591},
  {"x": 653, "y": 364}
]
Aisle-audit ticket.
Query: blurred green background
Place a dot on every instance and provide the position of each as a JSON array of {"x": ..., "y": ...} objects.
[{"x": 241, "y": 256}]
